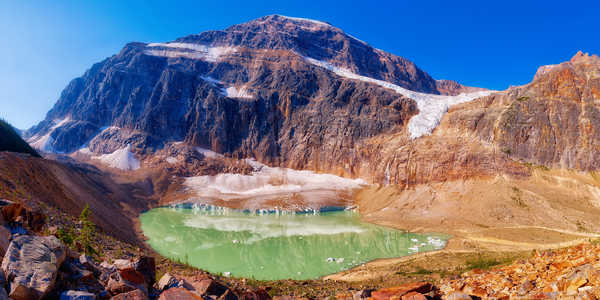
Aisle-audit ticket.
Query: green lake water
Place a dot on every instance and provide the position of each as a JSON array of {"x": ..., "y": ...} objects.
[{"x": 271, "y": 246}]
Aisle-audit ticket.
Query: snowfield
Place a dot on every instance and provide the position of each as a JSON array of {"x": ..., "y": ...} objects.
[
  {"x": 120, "y": 159},
  {"x": 431, "y": 107},
  {"x": 268, "y": 181}
]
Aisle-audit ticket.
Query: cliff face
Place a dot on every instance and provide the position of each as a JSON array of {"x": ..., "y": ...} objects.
[
  {"x": 269, "y": 89},
  {"x": 303, "y": 94},
  {"x": 552, "y": 121}
]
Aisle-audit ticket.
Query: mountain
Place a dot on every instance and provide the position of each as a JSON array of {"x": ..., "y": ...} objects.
[
  {"x": 286, "y": 91},
  {"x": 10, "y": 140},
  {"x": 302, "y": 94},
  {"x": 552, "y": 121}
]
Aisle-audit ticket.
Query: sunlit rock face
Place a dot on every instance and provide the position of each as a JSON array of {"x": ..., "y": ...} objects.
[
  {"x": 552, "y": 121},
  {"x": 246, "y": 91}
]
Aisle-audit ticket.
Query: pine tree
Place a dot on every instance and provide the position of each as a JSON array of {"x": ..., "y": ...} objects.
[{"x": 87, "y": 232}]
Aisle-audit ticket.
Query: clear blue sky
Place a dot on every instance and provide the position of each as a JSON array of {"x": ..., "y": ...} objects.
[{"x": 492, "y": 44}]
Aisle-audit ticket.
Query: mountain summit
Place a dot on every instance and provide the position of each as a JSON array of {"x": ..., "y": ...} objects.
[{"x": 283, "y": 90}]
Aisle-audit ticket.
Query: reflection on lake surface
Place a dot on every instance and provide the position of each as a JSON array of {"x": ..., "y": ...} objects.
[{"x": 275, "y": 245}]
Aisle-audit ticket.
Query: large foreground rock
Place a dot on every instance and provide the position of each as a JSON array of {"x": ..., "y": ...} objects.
[
  {"x": 31, "y": 265},
  {"x": 133, "y": 295},
  {"x": 399, "y": 291}
]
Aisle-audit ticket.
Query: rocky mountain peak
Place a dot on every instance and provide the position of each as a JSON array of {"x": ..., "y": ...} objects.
[
  {"x": 580, "y": 60},
  {"x": 581, "y": 57},
  {"x": 279, "y": 22},
  {"x": 244, "y": 91}
]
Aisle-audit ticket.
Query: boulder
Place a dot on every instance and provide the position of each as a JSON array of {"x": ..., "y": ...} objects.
[
  {"x": 133, "y": 295},
  {"x": 256, "y": 294},
  {"x": 4, "y": 239},
  {"x": 77, "y": 295},
  {"x": 133, "y": 276},
  {"x": 124, "y": 276},
  {"x": 178, "y": 294},
  {"x": 166, "y": 281},
  {"x": 117, "y": 286},
  {"x": 16, "y": 215},
  {"x": 229, "y": 295},
  {"x": 458, "y": 296},
  {"x": 146, "y": 266},
  {"x": 89, "y": 264},
  {"x": 206, "y": 285},
  {"x": 362, "y": 294},
  {"x": 31, "y": 264},
  {"x": 399, "y": 291},
  {"x": 414, "y": 296},
  {"x": 122, "y": 264}
]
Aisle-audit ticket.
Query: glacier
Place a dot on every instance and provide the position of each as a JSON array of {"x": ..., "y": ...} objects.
[{"x": 431, "y": 107}]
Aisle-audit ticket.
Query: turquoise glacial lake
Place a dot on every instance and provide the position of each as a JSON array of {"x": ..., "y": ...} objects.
[{"x": 275, "y": 245}]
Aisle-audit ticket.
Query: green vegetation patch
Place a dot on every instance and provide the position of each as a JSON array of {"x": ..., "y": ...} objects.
[{"x": 11, "y": 141}]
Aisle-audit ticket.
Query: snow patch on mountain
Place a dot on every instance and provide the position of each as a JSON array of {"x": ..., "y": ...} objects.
[
  {"x": 306, "y": 20},
  {"x": 233, "y": 92},
  {"x": 211, "y": 80},
  {"x": 188, "y": 50},
  {"x": 209, "y": 153},
  {"x": 431, "y": 107},
  {"x": 45, "y": 143},
  {"x": 266, "y": 182},
  {"x": 120, "y": 159},
  {"x": 172, "y": 160}
]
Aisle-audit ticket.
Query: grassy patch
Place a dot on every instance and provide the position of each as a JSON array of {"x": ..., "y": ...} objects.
[{"x": 481, "y": 263}]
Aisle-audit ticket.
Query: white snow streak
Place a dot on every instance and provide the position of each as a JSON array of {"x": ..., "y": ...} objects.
[
  {"x": 121, "y": 159},
  {"x": 306, "y": 20},
  {"x": 45, "y": 143},
  {"x": 431, "y": 107},
  {"x": 232, "y": 91},
  {"x": 188, "y": 50}
]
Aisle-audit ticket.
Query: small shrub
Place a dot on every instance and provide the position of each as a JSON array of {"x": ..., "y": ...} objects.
[
  {"x": 65, "y": 236},
  {"x": 516, "y": 197}
]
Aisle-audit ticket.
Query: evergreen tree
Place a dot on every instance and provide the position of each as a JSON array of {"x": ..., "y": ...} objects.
[{"x": 88, "y": 230}]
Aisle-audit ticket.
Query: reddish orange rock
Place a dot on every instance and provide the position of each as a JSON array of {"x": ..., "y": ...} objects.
[
  {"x": 132, "y": 276},
  {"x": 414, "y": 296},
  {"x": 133, "y": 295},
  {"x": 178, "y": 294},
  {"x": 399, "y": 291}
]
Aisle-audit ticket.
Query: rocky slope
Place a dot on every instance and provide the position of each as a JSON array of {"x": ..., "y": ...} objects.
[{"x": 42, "y": 184}]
